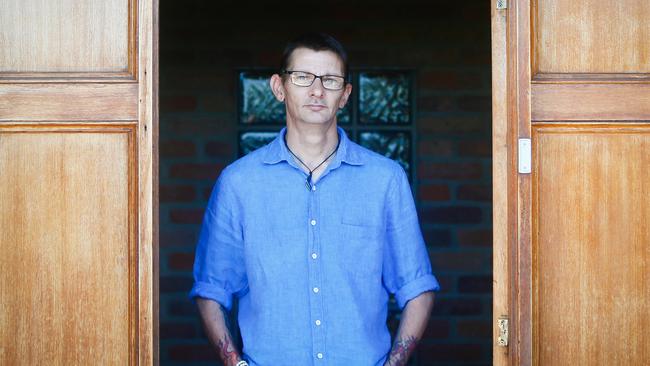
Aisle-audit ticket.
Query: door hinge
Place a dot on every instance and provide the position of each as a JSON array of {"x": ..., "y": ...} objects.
[
  {"x": 524, "y": 156},
  {"x": 502, "y": 4},
  {"x": 502, "y": 323}
]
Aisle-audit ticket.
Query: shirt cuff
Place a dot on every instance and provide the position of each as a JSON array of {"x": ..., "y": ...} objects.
[
  {"x": 209, "y": 291},
  {"x": 416, "y": 287}
]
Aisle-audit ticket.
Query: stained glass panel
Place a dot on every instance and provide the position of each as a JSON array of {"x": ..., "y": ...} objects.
[
  {"x": 257, "y": 103},
  {"x": 394, "y": 145},
  {"x": 384, "y": 98},
  {"x": 253, "y": 140}
]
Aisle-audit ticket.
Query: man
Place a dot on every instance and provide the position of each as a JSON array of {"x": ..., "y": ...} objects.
[{"x": 312, "y": 233}]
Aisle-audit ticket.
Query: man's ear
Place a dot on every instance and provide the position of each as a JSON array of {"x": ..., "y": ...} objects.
[
  {"x": 277, "y": 87},
  {"x": 346, "y": 95}
]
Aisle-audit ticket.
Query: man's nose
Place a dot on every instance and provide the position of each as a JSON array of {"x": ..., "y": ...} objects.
[{"x": 316, "y": 88}]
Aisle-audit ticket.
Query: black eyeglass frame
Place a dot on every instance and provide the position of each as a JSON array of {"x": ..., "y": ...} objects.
[{"x": 289, "y": 72}]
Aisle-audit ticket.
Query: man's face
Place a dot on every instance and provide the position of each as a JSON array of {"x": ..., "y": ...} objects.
[{"x": 311, "y": 104}]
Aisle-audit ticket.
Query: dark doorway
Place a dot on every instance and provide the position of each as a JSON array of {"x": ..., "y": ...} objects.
[{"x": 446, "y": 45}]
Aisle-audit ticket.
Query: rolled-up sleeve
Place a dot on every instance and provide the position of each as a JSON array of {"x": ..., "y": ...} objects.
[
  {"x": 219, "y": 268},
  {"x": 406, "y": 265}
]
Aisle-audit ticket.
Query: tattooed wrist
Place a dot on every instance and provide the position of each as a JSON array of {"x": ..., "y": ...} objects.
[
  {"x": 227, "y": 351},
  {"x": 401, "y": 351}
]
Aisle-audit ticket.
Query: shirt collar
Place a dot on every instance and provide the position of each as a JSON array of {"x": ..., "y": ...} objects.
[{"x": 348, "y": 151}]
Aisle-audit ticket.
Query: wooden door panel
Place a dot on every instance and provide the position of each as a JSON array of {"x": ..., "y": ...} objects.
[
  {"x": 68, "y": 246},
  {"x": 591, "y": 36},
  {"x": 577, "y": 228},
  {"x": 67, "y": 36},
  {"x": 591, "y": 235},
  {"x": 78, "y": 182},
  {"x": 69, "y": 102},
  {"x": 579, "y": 101}
]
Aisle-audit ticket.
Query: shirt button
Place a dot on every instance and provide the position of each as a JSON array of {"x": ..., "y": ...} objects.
[
  {"x": 317, "y": 322},
  {"x": 319, "y": 355},
  {"x": 313, "y": 188},
  {"x": 314, "y": 255},
  {"x": 316, "y": 290},
  {"x": 313, "y": 222}
]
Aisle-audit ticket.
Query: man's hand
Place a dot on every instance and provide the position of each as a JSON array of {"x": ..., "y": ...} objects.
[
  {"x": 214, "y": 321},
  {"x": 414, "y": 321}
]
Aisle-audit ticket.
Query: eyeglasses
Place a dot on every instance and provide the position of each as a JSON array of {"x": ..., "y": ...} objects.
[{"x": 303, "y": 78}]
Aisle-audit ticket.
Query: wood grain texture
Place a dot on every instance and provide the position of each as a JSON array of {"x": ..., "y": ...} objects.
[
  {"x": 500, "y": 169},
  {"x": 588, "y": 102},
  {"x": 66, "y": 36},
  {"x": 591, "y": 240},
  {"x": 68, "y": 102},
  {"x": 66, "y": 286},
  {"x": 147, "y": 202},
  {"x": 591, "y": 36}
]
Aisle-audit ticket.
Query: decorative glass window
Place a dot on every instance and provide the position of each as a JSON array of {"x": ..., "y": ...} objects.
[{"x": 378, "y": 116}]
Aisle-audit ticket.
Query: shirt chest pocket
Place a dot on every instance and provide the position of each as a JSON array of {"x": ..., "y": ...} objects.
[{"x": 361, "y": 248}]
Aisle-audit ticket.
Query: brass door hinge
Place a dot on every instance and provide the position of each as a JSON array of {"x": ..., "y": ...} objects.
[{"x": 502, "y": 323}]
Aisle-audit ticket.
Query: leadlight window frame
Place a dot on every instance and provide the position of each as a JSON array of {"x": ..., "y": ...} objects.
[{"x": 354, "y": 127}]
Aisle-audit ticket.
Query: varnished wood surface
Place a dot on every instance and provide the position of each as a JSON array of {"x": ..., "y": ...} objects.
[
  {"x": 591, "y": 240},
  {"x": 66, "y": 36},
  {"x": 68, "y": 102},
  {"x": 500, "y": 174},
  {"x": 589, "y": 102},
  {"x": 591, "y": 36},
  {"x": 67, "y": 243}
]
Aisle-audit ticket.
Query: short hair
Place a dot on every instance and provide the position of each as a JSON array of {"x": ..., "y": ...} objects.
[{"x": 315, "y": 41}]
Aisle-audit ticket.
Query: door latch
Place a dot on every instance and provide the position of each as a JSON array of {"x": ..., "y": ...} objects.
[
  {"x": 502, "y": 340},
  {"x": 524, "y": 156}
]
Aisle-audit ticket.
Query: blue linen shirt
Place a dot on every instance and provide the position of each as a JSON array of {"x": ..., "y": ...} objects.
[{"x": 313, "y": 269}]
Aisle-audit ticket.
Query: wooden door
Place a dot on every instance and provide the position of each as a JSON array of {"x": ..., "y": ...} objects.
[
  {"x": 78, "y": 178},
  {"x": 572, "y": 237}
]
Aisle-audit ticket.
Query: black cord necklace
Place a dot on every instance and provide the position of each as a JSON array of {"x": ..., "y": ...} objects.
[{"x": 311, "y": 171}]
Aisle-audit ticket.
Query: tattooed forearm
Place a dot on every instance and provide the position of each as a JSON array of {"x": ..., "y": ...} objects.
[
  {"x": 227, "y": 351},
  {"x": 402, "y": 349}
]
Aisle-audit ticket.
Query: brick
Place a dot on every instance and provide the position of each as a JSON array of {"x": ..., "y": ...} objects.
[
  {"x": 449, "y": 353},
  {"x": 471, "y": 328},
  {"x": 475, "y": 237},
  {"x": 436, "y": 103},
  {"x": 434, "y": 192},
  {"x": 177, "y": 193},
  {"x": 465, "y": 261},
  {"x": 435, "y": 148},
  {"x": 437, "y": 237},
  {"x": 223, "y": 102},
  {"x": 456, "y": 171},
  {"x": 175, "y": 284},
  {"x": 177, "y": 148},
  {"x": 186, "y": 216},
  {"x": 178, "y": 237},
  {"x": 456, "y": 306},
  {"x": 170, "y": 330},
  {"x": 451, "y": 215},
  {"x": 180, "y": 261},
  {"x": 192, "y": 353},
  {"x": 474, "y": 192},
  {"x": 436, "y": 329},
  {"x": 179, "y": 103},
  {"x": 461, "y": 123},
  {"x": 474, "y": 148},
  {"x": 450, "y": 80},
  {"x": 219, "y": 148},
  {"x": 475, "y": 284},
  {"x": 183, "y": 308},
  {"x": 196, "y": 171},
  {"x": 475, "y": 103}
]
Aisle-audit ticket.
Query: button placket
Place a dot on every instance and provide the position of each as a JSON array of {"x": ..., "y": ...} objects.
[{"x": 314, "y": 265}]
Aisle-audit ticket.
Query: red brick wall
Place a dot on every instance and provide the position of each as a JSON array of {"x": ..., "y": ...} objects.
[{"x": 201, "y": 45}]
